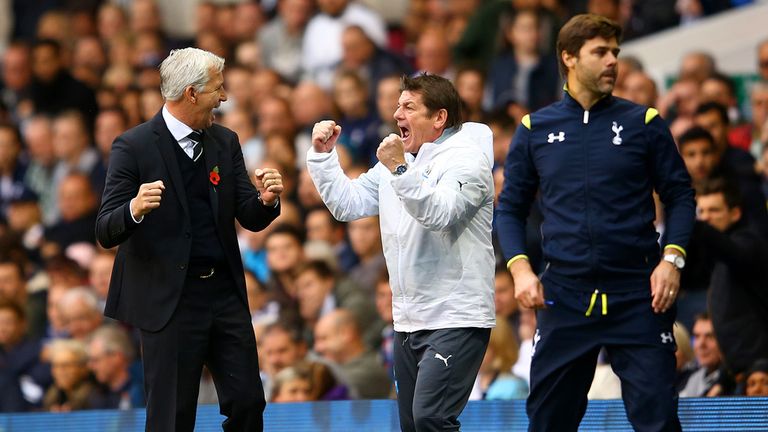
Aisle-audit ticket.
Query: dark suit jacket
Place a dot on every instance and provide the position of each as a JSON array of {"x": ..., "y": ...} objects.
[{"x": 153, "y": 256}]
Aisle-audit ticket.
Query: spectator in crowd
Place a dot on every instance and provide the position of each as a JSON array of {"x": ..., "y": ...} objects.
[
  {"x": 738, "y": 300},
  {"x": 22, "y": 375},
  {"x": 74, "y": 152},
  {"x": 320, "y": 291},
  {"x": 470, "y": 84},
  {"x": 16, "y": 79},
  {"x": 283, "y": 346},
  {"x": 640, "y": 88},
  {"x": 757, "y": 379},
  {"x": 322, "y": 48},
  {"x": 387, "y": 94},
  {"x": 110, "y": 357},
  {"x": 12, "y": 169},
  {"x": 79, "y": 309},
  {"x": 758, "y": 98},
  {"x": 284, "y": 253},
  {"x": 697, "y": 147},
  {"x": 38, "y": 135},
  {"x": 53, "y": 88},
  {"x": 504, "y": 297},
  {"x": 25, "y": 220},
  {"x": 522, "y": 71},
  {"x": 110, "y": 123},
  {"x": 358, "y": 119},
  {"x": 72, "y": 388},
  {"x": 365, "y": 239},
  {"x": 735, "y": 164},
  {"x": 13, "y": 287},
  {"x": 292, "y": 384},
  {"x": 310, "y": 103},
  {"x": 338, "y": 340},
  {"x": 384, "y": 309},
  {"x": 372, "y": 63},
  {"x": 680, "y": 101},
  {"x": 495, "y": 380},
  {"x": 708, "y": 357},
  {"x": 320, "y": 225},
  {"x": 100, "y": 273},
  {"x": 762, "y": 59},
  {"x": 697, "y": 66},
  {"x": 77, "y": 204},
  {"x": 264, "y": 311},
  {"x": 433, "y": 54},
  {"x": 281, "y": 38},
  {"x": 685, "y": 359}
]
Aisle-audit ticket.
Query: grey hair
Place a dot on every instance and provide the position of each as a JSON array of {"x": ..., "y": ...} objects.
[
  {"x": 80, "y": 294},
  {"x": 115, "y": 340},
  {"x": 187, "y": 67},
  {"x": 69, "y": 345}
]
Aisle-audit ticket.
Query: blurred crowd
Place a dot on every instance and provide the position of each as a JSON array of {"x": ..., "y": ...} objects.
[{"x": 77, "y": 73}]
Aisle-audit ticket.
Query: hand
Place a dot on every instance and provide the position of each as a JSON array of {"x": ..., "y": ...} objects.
[
  {"x": 391, "y": 152},
  {"x": 147, "y": 199},
  {"x": 269, "y": 183},
  {"x": 665, "y": 284},
  {"x": 529, "y": 292},
  {"x": 324, "y": 135}
]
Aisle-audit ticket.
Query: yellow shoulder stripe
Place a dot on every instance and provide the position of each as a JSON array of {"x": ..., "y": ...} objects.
[
  {"x": 526, "y": 121},
  {"x": 650, "y": 114}
]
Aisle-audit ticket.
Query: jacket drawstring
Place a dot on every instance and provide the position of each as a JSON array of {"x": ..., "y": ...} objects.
[{"x": 593, "y": 300}]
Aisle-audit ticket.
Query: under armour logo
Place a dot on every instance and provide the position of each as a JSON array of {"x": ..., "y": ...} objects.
[
  {"x": 617, "y": 130},
  {"x": 552, "y": 137},
  {"x": 536, "y": 339},
  {"x": 461, "y": 184},
  {"x": 667, "y": 337},
  {"x": 444, "y": 359}
]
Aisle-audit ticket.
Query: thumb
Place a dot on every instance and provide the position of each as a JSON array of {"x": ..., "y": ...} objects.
[{"x": 259, "y": 173}]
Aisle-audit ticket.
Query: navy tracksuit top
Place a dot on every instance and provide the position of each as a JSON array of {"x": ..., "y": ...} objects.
[{"x": 595, "y": 171}]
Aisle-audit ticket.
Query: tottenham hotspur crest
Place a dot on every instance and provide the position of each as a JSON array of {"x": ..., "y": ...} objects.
[{"x": 617, "y": 130}]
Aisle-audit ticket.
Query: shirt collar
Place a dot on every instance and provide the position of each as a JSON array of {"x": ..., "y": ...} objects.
[
  {"x": 178, "y": 129},
  {"x": 447, "y": 134}
]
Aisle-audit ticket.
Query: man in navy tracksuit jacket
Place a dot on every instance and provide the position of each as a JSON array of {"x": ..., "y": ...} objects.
[{"x": 595, "y": 161}]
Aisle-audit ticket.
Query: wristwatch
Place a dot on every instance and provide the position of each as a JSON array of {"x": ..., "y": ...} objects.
[
  {"x": 677, "y": 260},
  {"x": 400, "y": 170}
]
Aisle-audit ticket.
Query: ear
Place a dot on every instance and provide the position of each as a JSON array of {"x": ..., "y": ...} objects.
[
  {"x": 440, "y": 119},
  {"x": 735, "y": 214},
  {"x": 568, "y": 59},
  {"x": 190, "y": 93}
]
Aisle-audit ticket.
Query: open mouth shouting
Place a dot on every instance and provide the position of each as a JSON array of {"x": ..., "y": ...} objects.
[{"x": 405, "y": 132}]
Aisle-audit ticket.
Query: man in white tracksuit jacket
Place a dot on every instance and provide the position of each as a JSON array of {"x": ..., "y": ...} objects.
[{"x": 433, "y": 192}]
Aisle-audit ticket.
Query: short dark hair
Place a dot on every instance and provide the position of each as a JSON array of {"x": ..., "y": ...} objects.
[
  {"x": 51, "y": 43},
  {"x": 15, "y": 307},
  {"x": 724, "y": 79},
  {"x": 13, "y": 129},
  {"x": 713, "y": 186},
  {"x": 288, "y": 229},
  {"x": 293, "y": 332},
  {"x": 714, "y": 106},
  {"x": 319, "y": 267},
  {"x": 436, "y": 93},
  {"x": 580, "y": 29},
  {"x": 695, "y": 133}
]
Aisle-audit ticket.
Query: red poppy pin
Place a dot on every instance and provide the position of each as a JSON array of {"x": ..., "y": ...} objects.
[{"x": 213, "y": 176}]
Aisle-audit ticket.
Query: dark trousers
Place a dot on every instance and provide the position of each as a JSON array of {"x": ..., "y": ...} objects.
[
  {"x": 640, "y": 347},
  {"x": 434, "y": 374},
  {"x": 211, "y": 326}
]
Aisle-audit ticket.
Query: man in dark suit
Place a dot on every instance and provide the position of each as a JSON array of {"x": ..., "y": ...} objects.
[{"x": 174, "y": 188}]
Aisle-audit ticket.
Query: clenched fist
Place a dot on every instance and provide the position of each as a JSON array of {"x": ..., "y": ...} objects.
[
  {"x": 147, "y": 199},
  {"x": 324, "y": 135},
  {"x": 391, "y": 151},
  {"x": 269, "y": 183}
]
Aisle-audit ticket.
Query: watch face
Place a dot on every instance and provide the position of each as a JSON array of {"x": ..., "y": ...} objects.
[
  {"x": 400, "y": 169},
  {"x": 680, "y": 262}
]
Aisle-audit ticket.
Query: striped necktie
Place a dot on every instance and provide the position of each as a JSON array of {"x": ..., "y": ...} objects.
[{"x": 197, "y": 144}]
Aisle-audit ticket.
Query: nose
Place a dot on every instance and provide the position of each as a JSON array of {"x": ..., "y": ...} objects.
[
  {"x": 223, "y": 95},
  {"x": 398, "y": 115}
]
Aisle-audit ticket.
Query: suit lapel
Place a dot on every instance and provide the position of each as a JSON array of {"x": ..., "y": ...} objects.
[
  {"x": 165, "y": 143},
  {"x": 211, "y": 156}
]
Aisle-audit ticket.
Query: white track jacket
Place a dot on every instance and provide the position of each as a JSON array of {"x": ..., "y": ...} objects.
[{"x": 435, "y": 227}]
